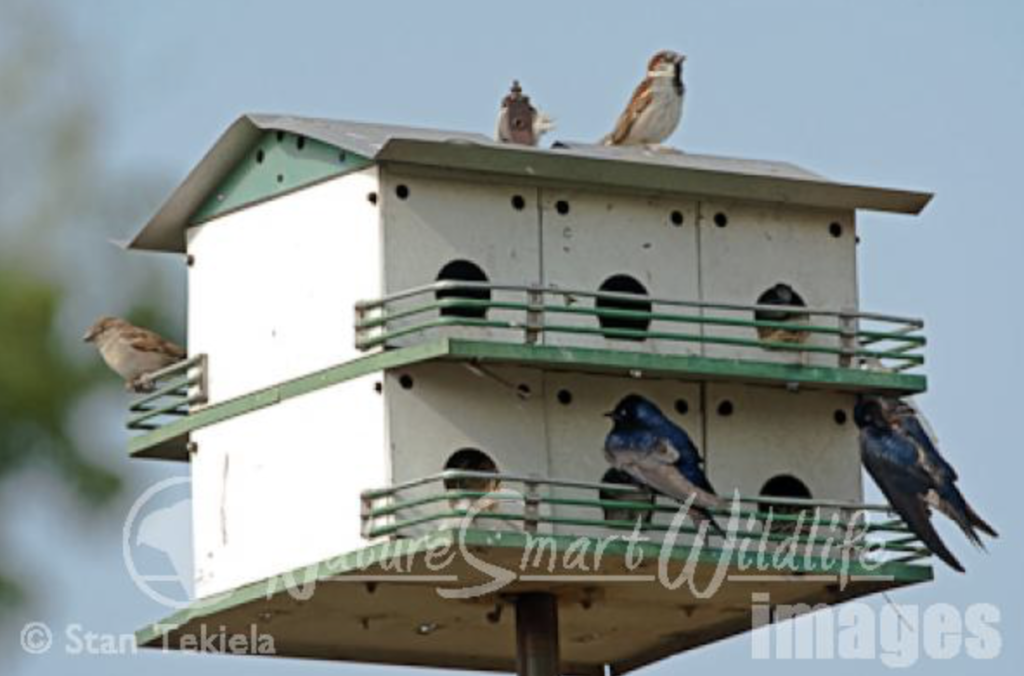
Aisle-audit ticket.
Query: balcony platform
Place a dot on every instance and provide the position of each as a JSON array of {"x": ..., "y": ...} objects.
[
  {"x": 381, "y": 604},
  {"x": 169, "y": 441}
]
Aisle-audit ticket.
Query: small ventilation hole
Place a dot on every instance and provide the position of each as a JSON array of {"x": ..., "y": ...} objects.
[
  {"x": 721, "y": 220},
  {"x": 562, "y": 207},
  {"x": 405, "y": 380},
  {"x": 725, "y": 409},
  {"x": 518, "y": 202},
  {"x": 677, "y": 218},
  {"x": 564, "y": 397}
]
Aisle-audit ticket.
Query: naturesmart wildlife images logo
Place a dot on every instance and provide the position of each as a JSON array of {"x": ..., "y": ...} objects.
[
  {"x": 156, "y": 542},
  {"x": 738, "y": 547}
]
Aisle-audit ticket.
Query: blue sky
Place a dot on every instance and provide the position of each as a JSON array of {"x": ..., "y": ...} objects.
[{"x": 912, "y": 94}]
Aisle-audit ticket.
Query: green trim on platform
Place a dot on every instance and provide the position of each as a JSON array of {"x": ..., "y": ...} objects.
[
  {"x": 215, "y": 413},
  {"x": 687, "y": 366},
  {"x": 278, "y": 164},
  {"x": 536, "y": 356},
  {"x": 401, "y": 549}
]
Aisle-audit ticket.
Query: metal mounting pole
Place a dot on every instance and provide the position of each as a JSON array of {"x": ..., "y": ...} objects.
[{"x": 537, "y": 635}]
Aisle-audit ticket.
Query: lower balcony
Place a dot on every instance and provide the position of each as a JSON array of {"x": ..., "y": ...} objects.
[{"x": 446, "y": 555}]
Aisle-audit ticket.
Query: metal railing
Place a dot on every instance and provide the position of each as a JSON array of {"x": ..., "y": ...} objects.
[
  {"x": 529, "y": 504},
  {"x": 530, "y": 315},
  {"x": 175, "y": 390}
]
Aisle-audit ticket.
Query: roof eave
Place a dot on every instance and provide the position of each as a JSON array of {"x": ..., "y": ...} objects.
[
  {"x": 163, "y": 232},
  {"x": 549, "y": 166},
  {"x": 475, "y": 154}
]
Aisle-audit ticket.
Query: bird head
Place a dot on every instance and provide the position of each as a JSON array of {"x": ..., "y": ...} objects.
[
  {"x": 783, "y": 294},
  {"x": 519, "y": 121},
  {"x": 635, "y": 411},
  {"x": 870, "y": 411},
  {"x": 100, "y": 327},
  {"x": 665, "y": 63}
]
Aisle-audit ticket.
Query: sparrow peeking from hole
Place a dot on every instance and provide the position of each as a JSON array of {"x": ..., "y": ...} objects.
[
  {"x": 781, "y": 295},
  {"x": 132, "y": 352},
  {"x": 656, "y": 108}
]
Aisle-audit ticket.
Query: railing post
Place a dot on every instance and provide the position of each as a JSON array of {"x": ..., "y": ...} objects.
[
  {"x": 203, "y": 384},
  {"x": 366, "y": 507},
  {"x": 534, "y": 314},
  {"x": 360, "y": 314},
  {"x": 531, "y": 506},
  {"x": 847, "y": 337}
]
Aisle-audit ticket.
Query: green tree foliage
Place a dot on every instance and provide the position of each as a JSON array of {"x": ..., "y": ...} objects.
[
  {"x": 58, "y": 204},
  {"x": 40, "y": 385}
]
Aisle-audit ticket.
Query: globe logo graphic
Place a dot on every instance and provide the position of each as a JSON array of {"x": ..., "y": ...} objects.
[{"x": 157, "y": 542}]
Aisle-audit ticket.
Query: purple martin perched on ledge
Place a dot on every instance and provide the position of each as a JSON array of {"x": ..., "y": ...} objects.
[
  {"x": 901, "y": 455},
  {"x": 657, "y": 453}
]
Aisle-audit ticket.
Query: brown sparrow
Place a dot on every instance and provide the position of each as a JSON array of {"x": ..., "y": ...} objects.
[
  {"x": 132, "y": 352},
  {"x": 656, "y": 107},
  {"x": 519, "y": 122},
  {"x": 781, "y": 295}
]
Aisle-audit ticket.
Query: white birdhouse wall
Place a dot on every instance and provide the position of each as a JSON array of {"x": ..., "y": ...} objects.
[
  {"x": 593, "y": 239},
  {"x": 745, "y": 250},
  {"x": 437, "y": 410},
  {"x": 588, "y": 240},
  {"x": 435, "y": 226},
  {"x": 754, "y": 433},
  {"x": 278, "y": 488},
  {"x": 272, "y": 286},
  {"x": 272, "y": 289},
  {"x": 553, "y": 425}
]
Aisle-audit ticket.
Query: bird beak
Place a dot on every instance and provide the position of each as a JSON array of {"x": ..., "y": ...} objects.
[
  {"x": 89, "y": 335},
  {"x": 610, "y": 414}
]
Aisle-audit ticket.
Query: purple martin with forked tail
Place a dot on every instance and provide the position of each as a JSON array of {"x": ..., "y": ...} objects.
[
  {"x": 657, "y": 453},
  {"x": 902, "y": 456}
]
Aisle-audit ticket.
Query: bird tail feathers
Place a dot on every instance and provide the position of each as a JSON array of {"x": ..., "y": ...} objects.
[{"x": 975, "y": 520}]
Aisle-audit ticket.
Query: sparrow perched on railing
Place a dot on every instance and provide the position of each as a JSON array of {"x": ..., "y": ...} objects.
[
  {"x": 656, "y": 107},
  {"x": 132, "y": 352},
  {"x": 902, "y": 456},
  {"x": 518, "y": 121},
  {"x": 657, "y": 453}
]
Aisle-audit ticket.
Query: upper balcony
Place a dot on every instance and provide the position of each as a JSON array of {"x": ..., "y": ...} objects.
[
  {"x": 551, "y": 328},
  {"x": 794, "y": 346}
]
